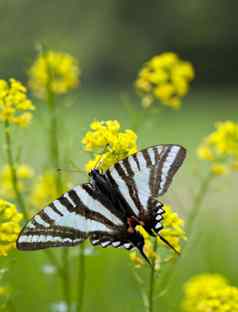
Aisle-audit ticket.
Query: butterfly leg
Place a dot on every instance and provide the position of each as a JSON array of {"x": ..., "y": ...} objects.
[{"x": 144, "y": 255}]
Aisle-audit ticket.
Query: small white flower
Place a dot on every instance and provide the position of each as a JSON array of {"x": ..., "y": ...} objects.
[
  {"x": 59, "y": 307},
  {"x": 48, "y": 269}
]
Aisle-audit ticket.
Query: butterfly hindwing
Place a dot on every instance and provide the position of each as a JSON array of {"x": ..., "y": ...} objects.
[{"x": 70, "y": 219}]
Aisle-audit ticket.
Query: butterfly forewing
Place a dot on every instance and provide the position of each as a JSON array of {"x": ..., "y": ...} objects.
[{"x": 146, "y": 174}]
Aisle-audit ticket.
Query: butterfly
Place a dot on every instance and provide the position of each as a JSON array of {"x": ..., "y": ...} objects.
[{"x": 108, "y": 209}]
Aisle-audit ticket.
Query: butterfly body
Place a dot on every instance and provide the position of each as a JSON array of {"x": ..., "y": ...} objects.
[{"x": 108, "y": 209}]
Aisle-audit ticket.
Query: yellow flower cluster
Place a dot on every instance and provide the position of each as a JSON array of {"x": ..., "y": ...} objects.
[
  {"x": 220, "y": 148},
  {"x": 166, "y": 78},
  {"x": 148, "y": 250},
  {"x": 15, "y": 107},
  {"x": 44, "y": 190},
  {"x": 108, "y": 143},
  {"x": 210, "y": 293},
  {"x": 54, "y": 71},
  {"x": 173, "y": 232},
  {"x": 24, "y": 174},
  {"x": 9, "y": 226}
]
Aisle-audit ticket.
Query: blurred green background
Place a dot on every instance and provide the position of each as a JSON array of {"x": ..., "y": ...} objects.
[{"x": 111, "y": 40}]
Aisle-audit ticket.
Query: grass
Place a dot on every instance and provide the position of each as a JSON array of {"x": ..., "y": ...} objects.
[{"x": 110, "y": 284}]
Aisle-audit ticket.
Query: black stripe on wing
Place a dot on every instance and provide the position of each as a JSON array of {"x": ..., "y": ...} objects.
[
  {"x": 163, "y": 173},
  {"x": 55, "y": 236},
  {"x": 105, "y": 201},
  {"x": 146, "y": 174},
  {"x": 69, "y": 220}
]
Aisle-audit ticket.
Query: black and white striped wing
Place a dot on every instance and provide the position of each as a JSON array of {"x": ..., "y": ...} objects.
[
  {"x": 72, "y": 218},
  {"x": 146, "y": 175}
]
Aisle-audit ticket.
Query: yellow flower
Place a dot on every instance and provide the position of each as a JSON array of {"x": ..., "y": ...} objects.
[
  {"x": 24, "y": 174},
  {"x": 15, "y": 107},
  {"x": 44, "y": 190},
  {"x": 204, "y": 152},
  {"x": 221, "y": 148},
  {"x": 211, "y": 293},
  {"x": 3, "y": 291},
  {"x": 165, "y": 77},
  {"x": 108, "y": 144},
  {"x": 219, "y": 169},
  {"x": 142, "y": 231},
  {"x": 10, "y": 220},
  {"x": 136, "y": 259},
  {"x": 148, "y": 250},
  {"x": 173, "y": 230},
  {"x": 221, "y": 300},
  {"x": 54, "y": 71}
]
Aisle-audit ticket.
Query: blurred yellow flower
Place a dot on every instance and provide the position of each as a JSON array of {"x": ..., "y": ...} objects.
[
  {"x": 108, "y": 143},
  {"x": 211, "y": 293},
  {"x": 10, "y": 220},
  {"x": 3, "y": 291},
  {"x": 53, "y": 71},
  {"x": 15, "y": 107},
  {"x": 165, "y": 77},
  {"x": 45, "y": 190},
  {"x": 221, "y": 148},
  {"x": 24, "y": 174},
  {"x": 173, "y": 232},
  {"x": 220, "y": 300},
  {"x": 205, "y": 153},
  {"x": 219, "y": 169}
]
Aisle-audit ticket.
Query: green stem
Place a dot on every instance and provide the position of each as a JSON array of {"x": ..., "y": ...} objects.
[
  {"x": 66, "y": 277},
  {"x": 54, "y": 157},
  {"x": 54, "y": 145},
  {"x": 12, "y": 166},
  {"x": 19, "y": 198},
  {"x": 139, "y": 115},
  {"x": 196, "y": 209},
  {"x": 81, "y": 278},
  {"x": 152, "y": 281},
  {"x": 197, "y": 203}
]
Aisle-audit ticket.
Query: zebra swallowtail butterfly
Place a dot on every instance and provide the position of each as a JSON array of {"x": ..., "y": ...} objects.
[{"x": 108, "y": 208}]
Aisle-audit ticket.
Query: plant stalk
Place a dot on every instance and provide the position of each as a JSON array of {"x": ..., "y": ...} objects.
[
  {"x": 196, "y": 209},
  {"x": 81, "y": 278},
  {"x": 54, "y": 157},
  {"x": 152, "y": 280},
  {"x": 197, "y": 203},
  {"x": 12, "y": 166}
]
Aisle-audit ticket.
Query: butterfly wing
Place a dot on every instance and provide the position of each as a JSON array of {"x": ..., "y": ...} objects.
[
  {"x": 81, "y": 213},
  {"x": 144, "y": 176},
  {"x": 85, "y": 212},
  {"x": 147, "y": 174}
]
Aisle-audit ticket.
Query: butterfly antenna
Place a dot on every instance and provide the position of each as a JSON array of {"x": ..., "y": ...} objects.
[
  {"x": 168, "y": 244},
  {"x": 70, "y": 170}
]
